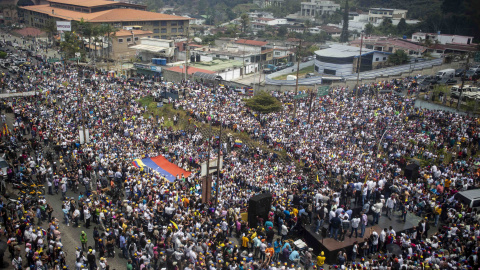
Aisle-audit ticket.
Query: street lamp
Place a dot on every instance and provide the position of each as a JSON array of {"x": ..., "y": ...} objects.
[{"x": 359, "y": 62}]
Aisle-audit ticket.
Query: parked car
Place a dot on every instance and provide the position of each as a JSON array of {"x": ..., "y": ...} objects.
[
  {"x": 459, "y": 72},
  {"x": 448, "y": 81}
]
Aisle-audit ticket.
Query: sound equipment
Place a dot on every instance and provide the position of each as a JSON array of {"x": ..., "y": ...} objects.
[
  {"x": 259, "y": 206},
  {"x": 411, "y": 172}
]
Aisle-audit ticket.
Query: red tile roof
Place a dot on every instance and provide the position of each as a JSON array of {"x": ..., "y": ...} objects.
[
  {"x": 112, "y": 15},
  {"x": 251, "y": 42},
  {"x": 29, "y": 31},
  {"x": 191, "y": 70}
]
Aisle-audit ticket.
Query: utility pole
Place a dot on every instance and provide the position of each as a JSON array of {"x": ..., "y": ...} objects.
[
  {"x": 218, "y": 167},
  {"x": 312, "y": 94},
  {"x": 463, "y": 81},
  {"x": 296, "y": 81},
  {"x": 186, "y": 56},
  {"x": 207, "y": 183},
  {"x": 359, "y": 63}
]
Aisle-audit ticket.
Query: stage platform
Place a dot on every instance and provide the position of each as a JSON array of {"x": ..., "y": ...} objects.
[{"x": 331, "y": 247}]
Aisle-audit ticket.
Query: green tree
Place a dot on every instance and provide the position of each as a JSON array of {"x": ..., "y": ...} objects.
[
  {"x": 263, "y": 102},
  {"x": 244, "y": 21},
  {"x": 344, "y": 35},
  {"x": 369, "y": 29},
  {"x": 3, "y": 55},
  {"x": 282, "y": 31},
  {"x": 402, "y": 26},
  {"x": 71, "y": 44},
  {"x": 398, "y": 58}
]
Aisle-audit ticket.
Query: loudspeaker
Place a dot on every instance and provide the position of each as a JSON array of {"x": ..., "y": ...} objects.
[
  {"x": 259, "y": 205},
  {"x": 411, "y": 171}
]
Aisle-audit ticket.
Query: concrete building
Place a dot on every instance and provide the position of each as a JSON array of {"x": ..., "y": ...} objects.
[
  {"x": 441, "y": 38},
  {"x": 8, "y": 14},
  {"x": 149, "y": 48},
  {"x": 98, "y": 12},
  {"x": 341, "y": 60},
  {"x": 318, "y": 7},
  {"x": 376, "y": 15},
  {"x": 391, "y": 45},
  {"x": 123, "y": 42},
  {"x": 269, "y": 3}
]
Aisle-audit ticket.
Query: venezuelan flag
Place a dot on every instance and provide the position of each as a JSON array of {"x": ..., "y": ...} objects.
[
  {"x": 238, "y": 143},
  {"x": 162, "y": 166}
]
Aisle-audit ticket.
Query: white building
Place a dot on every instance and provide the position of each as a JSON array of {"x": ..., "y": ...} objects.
[
  {"x": 341, "y": 60},
  {"x": 375, "y": 15},
  {"x": 155, "y": 47},
  {"x": 318, "y": 8},
  {"x": 441, "y": 38}
]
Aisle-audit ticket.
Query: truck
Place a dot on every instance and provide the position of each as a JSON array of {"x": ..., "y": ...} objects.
[{"x": 448, "y": 73}]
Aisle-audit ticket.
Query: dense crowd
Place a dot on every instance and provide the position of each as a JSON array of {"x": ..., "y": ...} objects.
[{"x": 155, "y": 223}]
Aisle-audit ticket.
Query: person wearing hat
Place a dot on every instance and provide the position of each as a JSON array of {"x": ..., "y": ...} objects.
[
  {"x": 321, "y": 259},
  {"x": 92, "y": 264},
  {"x": 83, "y": 240}
]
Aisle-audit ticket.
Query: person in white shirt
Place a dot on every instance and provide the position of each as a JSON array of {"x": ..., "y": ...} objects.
[
  {"x": 390, "y": 205},
  {"x": 355, "y": 223}
]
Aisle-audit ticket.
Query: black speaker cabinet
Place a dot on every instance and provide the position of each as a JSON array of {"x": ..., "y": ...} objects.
[
  {"x": 411, "y": 172},
  {"x": 259, "y": 205}
]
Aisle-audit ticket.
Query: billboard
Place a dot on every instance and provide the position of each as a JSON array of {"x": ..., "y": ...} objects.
[{"x": 64, "y": 26}]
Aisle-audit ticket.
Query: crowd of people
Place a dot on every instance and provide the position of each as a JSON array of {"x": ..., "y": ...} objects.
[{"x": 352, "y": 152}]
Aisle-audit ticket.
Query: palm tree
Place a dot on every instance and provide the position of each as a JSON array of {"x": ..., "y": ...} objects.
[
  {"x": 109, "y": 30},
  {"x": 50, "y": 27},
  {"x": 95, "y": 33},
  {"x": 84, "y": 28}
]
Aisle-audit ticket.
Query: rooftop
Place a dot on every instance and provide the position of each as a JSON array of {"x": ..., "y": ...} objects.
[
  {"x": 112, "y": 15},
  {"x": 191, "y": 70},
  {"x": 387, "y": 9},
  {"x": 330, "y": 29},
  {"x": 217, "y": 65},
  {"x": 390, "y": 41},
  {"x": 433, "y": 34},
  {"x": 342, "y": 51},
  {"x": 251, "y": 42},
  {"x": 124, "y": 33},
  {"x": 90, "y": 3}
]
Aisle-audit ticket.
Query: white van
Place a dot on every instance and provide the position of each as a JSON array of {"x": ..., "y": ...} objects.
[
  {"x": 448, "y": 73},
  {"x": 470, "y": 198},
  {"x": 456, "y": 90}
]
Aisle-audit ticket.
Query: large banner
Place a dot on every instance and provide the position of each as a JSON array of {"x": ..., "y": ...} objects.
[{"x": 64, "y": 26}]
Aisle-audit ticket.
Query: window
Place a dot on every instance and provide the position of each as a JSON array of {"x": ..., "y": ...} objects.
[
  {"x": 377, "y": 59},
  {"x": 120, "y": 40},
  {"x": 164, "y": 37},
  {"x": 164, "y": 30},
  {"x": 164, "y": 23},
  {"x": 180, "y": 22},
  {"x": 330, "y": 71},
  {"x": 231, "y": 57},
  {"x": 173, "y": 30},
  {"x": 173, "y": 23},
  {"x": 129, "y": 39},
  {"x": 136, "y": 38},
  {"x": 155, "y": 37},
  {"x": 156, "y": 23},
  {"x": 156, "y": 31},
  {"x": 384, "y": 58},
  {"x": 180, "y": 30}
]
